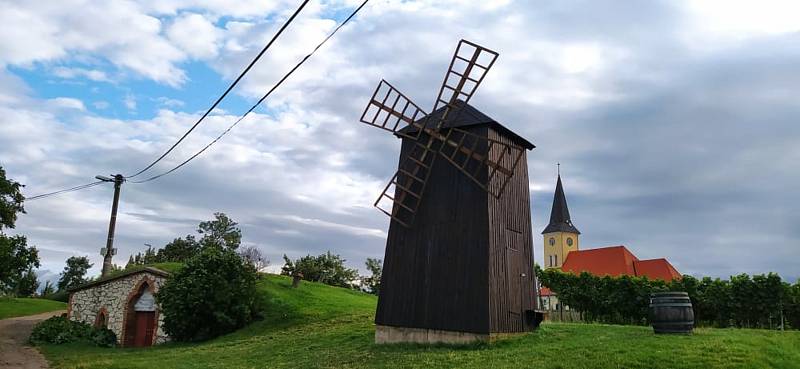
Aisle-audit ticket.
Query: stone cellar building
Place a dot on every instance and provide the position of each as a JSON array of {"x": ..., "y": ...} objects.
[{"x": 125, "y": 304}]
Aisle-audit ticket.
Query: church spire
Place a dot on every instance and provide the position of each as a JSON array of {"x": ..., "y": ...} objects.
[{"x": 559, "y": 215}]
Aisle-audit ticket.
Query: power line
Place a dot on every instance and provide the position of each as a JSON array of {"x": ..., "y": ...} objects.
[
  {"x": 274, "y": 87},
  {"x": 71, "y": 189},
  {"x": 289, "y": 21}
]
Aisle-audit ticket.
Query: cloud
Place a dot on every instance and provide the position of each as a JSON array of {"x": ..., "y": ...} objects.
[
  {"x": 194, "y": 34},
  {"x": 118, "y": 31},
  {"x": 67, "y": 103},
  {"x": 91, "y": 74},
  {"x": 169, "y": 103},
  {"x": 130, "y": 102}
]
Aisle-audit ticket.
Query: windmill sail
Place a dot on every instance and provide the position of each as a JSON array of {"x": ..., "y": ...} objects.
[
  {"x": 402, "y": 196},
  {"x": 485, "y": 161},
  {"x": 468, "y": 67},
  {"x": 390, "y": 110}
]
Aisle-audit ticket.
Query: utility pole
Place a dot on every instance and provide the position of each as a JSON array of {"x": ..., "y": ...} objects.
[{"x": 109, "y": 251}]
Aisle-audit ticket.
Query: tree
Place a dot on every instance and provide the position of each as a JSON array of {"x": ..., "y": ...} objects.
[
  {"x": 213, "y": 294},
  {"x": 326, "y": 268},
  {"x": 222, "y": 231},
  {"x": 74, "y": 273},
  {"x": 130, "y": 263},
  {"x": 16, "y": 258},
  {"x": 792, "y": 305},
  {"x": 48, "y": 289},
  {"x": 27, "y": 285},
  {"x": 179, "y": 250},
  {"x": 252, "y": 255},
  {"x": 11, "y": 200},
  {"x": 373, "y": 282},
  {"x": 149, "y": 256}
]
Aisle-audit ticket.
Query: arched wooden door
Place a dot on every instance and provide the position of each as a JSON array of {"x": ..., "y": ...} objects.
[{"x": 142, "y": 322}]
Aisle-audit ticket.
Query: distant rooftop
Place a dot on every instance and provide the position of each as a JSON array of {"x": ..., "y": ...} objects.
[{"x": 616, "y": 261}]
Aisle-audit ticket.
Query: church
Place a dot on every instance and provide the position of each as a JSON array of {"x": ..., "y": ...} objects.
[{"x": 562, "y": 251}]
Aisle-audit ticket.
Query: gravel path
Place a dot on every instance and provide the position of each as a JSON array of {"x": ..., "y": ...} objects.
[{"x": 14, "y": 349}]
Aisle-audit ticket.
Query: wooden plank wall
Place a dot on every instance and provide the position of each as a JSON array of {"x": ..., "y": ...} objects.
[
  {"x": 435, "y": 274},
  {"x": 511, "y": 247}
]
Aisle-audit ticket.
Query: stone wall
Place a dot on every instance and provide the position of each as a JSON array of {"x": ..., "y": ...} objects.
[{"x": 113, "y": 296}]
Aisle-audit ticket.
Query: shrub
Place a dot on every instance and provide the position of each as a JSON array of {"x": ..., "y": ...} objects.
[
  {"x": 326, "y": 268},
  {"x": 104, "y": 337},
  {"x": 59, "y": 330},
  {"x": 62, "y": 296},
  {"x": 213, "y": 294},
  {"x": 743, "y": 301}
]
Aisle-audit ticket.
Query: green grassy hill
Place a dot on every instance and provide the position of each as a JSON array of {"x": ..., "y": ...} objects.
[
  {"x": 317, "y": 326},
  {"x": 12, "y": 307}
]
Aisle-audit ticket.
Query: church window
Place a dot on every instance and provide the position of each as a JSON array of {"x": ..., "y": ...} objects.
[
  {"x": 552, "y": 241},
  {"x": 569, "y": 241},
  {"x": 555, "y": 258}
]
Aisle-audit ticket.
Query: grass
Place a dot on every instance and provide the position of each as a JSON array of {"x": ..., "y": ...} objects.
[
  {"x": 316, "y": 326},
  {"x": 13, "y": 307}
]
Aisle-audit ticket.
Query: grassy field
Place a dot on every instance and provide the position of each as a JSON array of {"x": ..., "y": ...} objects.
[
  {"x": 317, "y": 326},
  {"x": 11, "y": 307}
]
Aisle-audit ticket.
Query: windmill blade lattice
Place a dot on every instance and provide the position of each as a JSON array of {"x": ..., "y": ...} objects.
[
  {"x": 402, "y": 196},
  {"x": 473, "y": 155},
  {"x": 382, "y": 111},
  {"x": 468, "y": 67}
]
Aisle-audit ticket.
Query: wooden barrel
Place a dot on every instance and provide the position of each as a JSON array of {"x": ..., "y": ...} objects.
[{"x": 671, "y": 312}]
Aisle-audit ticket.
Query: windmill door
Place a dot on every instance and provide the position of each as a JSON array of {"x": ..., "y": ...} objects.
[
  {"x": 145, "y": 325},
  {"x": 514, "y": 276}
]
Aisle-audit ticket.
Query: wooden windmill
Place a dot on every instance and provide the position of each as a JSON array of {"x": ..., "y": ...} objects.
[{"x": 459, "y": 254}]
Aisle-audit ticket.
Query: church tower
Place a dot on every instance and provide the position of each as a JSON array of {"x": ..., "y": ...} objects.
[{"x": 560, "y": 236}]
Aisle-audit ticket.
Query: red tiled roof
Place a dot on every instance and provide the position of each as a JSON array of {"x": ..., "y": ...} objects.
[
  {"x": 544, "y": 291},
  {"x": 656, "y": 269},
  {"x": 616, "y": 261},
  {"x": 613, "y": 261}
]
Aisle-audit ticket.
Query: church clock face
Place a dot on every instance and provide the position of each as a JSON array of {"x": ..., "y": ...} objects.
[
  {"x": 552, "y": 241},
  {"x": 569, "y": 241}
]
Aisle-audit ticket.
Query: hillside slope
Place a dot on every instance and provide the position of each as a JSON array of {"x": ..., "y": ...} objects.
[
  {"x": 317, "y": 326},
  {"x": 22, "y": 306}
]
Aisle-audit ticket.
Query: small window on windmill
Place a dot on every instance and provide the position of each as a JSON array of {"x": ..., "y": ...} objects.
[
  {"x": 147, "y": 302},
  {"x": 514, "y": 239}
]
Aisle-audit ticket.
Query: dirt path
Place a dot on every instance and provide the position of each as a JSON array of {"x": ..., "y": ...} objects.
[{"x": 14, "y": 350}]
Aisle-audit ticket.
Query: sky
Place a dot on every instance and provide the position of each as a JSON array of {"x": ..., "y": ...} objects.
[{"x": 675, "y": 122}]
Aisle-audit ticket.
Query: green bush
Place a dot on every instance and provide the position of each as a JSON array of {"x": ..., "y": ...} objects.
[
  {"x": 758, "y": 301},
  {"x": 104, "y": 337},
  {"x": 59, "y": 330},
  {"x": 62, "y": 296},
  {"x": 213, "y": 294}
]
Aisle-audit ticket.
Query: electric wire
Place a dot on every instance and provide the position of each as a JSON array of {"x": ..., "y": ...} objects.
[
  {"x": 274, "y": 87},
  {"x": 76, "y": 188},
  {"x": 235, "y": 82}
]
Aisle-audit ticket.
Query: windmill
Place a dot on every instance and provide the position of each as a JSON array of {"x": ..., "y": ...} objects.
[{"x": 459, "y": 259}]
